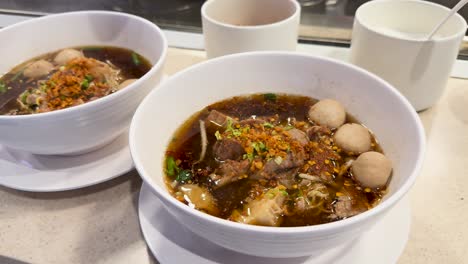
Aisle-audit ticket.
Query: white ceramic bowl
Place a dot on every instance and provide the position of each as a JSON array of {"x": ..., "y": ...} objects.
[
  {"x": 91, "y": 125},
  {"x": 373, "y": 101}
]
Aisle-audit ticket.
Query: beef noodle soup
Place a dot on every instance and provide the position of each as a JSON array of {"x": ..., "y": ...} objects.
[
  {"x": 276, "y": 160},
  {"x": 68, "y": 77}
]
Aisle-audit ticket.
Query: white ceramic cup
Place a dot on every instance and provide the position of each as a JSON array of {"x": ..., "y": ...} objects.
[
  {"x": 390, "y": 40},
  {"x": 233, "y": 26}
]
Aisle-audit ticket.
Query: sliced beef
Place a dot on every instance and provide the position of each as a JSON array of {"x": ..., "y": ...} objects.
[
  {"x": 284, "y": 169},
  {"x": 316, "y": 133},
  {"x": 299, "y": 136},
  {"x": 230, "y": 171},
  {"x": 215, "y": 120},
  {"x": 348, "y": 205},
  {"x": 228, "y": 149},
  {"x": 251, "y": 121},
  {"x": 287, "y": 178}
]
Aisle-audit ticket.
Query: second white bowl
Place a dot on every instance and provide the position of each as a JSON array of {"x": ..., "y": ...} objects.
[{"x": 91, "y": 125}]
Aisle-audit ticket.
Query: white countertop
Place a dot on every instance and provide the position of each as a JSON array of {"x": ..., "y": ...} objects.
[{"x": 99, "y": 224}]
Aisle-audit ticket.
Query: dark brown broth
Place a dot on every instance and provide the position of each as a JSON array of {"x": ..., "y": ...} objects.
[{"x": 186, "y": 147}]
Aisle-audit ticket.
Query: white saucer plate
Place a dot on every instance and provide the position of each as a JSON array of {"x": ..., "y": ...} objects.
[
  {"x": 39, "y": 173},
  {"x": 170, "y": 242}
]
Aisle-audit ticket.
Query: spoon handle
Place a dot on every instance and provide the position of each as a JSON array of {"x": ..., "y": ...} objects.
[{"x": 450, "y": 14}]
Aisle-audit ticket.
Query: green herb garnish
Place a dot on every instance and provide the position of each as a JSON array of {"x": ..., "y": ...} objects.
[
  {"x": 184, "y": 175},
  {"x": 89, "y": 77},
  {"x": 236, "y": 132},
  {"x": 268, "y": 125},
  {"x": 171, "y": 166},
  {"x": 85, "y": 84},
  {"x": 229, "y": 128},
  {"x": 43, "y": 87},
  {"x": 229, "y": 124},
  {"x": 249, "y": 156},
  {"x": 218, "y": 135},
  {"x": 3, "y": 87},
  {"x": 270, "y": 96},
  {"x": 23, "y": 96},
  {"x": 135, "y": 59},
  {"x": 259, "y": 147}
]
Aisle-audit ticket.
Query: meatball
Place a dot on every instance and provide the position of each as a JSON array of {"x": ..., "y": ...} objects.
[
  {"x": 126, "y": 83},
  {"x": 38, "y": 68},
  {"x": 328, "y": 113},
  {"x": 66, "y": 55},
  {"x": 372, "y": 169},
  {"x": 353, "y": 138}
]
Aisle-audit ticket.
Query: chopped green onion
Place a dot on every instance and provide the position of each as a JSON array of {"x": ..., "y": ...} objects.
[
  {"x": 218, "y": 135},
  {"x": 43, "y": 87},
  {"x": 85, "y": 84},
  {"x": 136, "y": 59},
  {"x": 249, "y": 156},
  {"x": 184, "y": 175},
  {"x": 261, "y": 146},
  {"x": 284, "y": 192},
  {"x": 23, "y": 96},
  {"x": 229, "y": 124},
  {"x": 288, "y": 127},
  {"x": 171, "y": 166},
  {"x": 236, "y": 132},
  {"x": 256, "y": 147},
  {"x": 3, "y": 87},
  {"x": 230, "y": 128},
  {"x": 268, "y": 125},
  {"x": 270, "y": 96},
  {"x": 89, "y": 77}
]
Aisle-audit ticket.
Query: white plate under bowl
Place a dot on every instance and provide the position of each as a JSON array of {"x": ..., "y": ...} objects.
[
  {"x": 39, "y": 173},
  {"x": 171, "y": 242}
]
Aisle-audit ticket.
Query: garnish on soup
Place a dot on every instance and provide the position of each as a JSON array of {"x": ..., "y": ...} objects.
[{"x": 68, "y": 77}]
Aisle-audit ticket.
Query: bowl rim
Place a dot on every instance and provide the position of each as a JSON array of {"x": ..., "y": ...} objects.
[
  {"x": 162, "y": 193},
  {"x": 102, "y": 100},
  {"x": 363, "y": 7},
  {"x": 294, "y": 15}
]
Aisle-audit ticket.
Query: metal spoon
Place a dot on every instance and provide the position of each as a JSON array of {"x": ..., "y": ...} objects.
[{"x": 450, "y": 14}]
